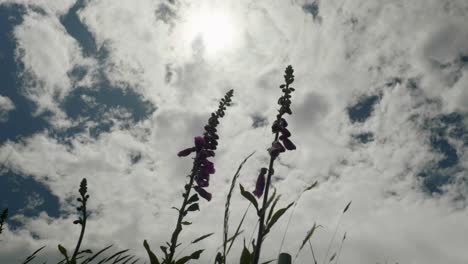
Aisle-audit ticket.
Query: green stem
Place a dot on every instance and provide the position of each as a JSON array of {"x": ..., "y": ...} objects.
[
  {"x": 261, "y": 227},
  {"x": 178, "y": 228},
  {"x": 83, "y": 227}
]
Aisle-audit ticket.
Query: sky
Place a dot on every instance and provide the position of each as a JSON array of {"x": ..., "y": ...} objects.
[{"x": 111, "y": 90}]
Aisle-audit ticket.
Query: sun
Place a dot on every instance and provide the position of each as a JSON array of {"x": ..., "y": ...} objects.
[{"x": 215, "y": 27}]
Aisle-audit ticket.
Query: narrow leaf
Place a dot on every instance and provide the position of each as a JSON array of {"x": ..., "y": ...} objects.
[
  {"x": 95, "y": 255},
  {"x": 152, "y": 256},
  {"x": 201, "y": 238},
  {"x": 194, "y": 255},
  {"x": 308, "y": 236},
  {"x": 246, "y": 257},
  {"x": 311, "y": 186},
  {"x": 332, "y": 257},
  {"x": 193, "y": 198},
  {"x": 276, "y": 216},
  {"x": 270, "y": 213},
  {"x": 32, "y": 256},
  {"x": 249, "y": 197},
  {"x": 193, "y": 207},
  {"x": 63, "y": 251},
  {"x": 347, "y": 207}
]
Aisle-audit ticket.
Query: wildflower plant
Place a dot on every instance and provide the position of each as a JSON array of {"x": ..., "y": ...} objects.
[
  {"x": 198, "y": 180},
  {"x": 3, "y": 217},
  {"x": 280, "y": 144}
]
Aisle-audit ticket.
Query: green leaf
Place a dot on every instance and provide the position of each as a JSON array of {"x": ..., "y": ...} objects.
[
  {"x": 276, "y": 216},
  {"x": 219, "y": 258},
  {"x": 63, "y": 251},
  {"x": 193, "y": 199},
  {"x": 332, "y": 257},
  {"x": 246, "y": 257},
  {"x": 33, "y": 255},
  {"x": 95, "y": 255},
  {"x": 194, "y": 255},
  {"x": 311, "y": 186},
  {"x": 347, "y": 207},
  {"x": 201, "y": 238},
  {"x": 193, "y": 207},
  {"x": 270, "y": 213},
  {"x": 152, "y": 256},
  {"x": 308, "y": 236},
  {"x": 186, "y": 223},
  {"x": 270, "y": 199},
  {"x": 247, "y": 195},
  {"x": 269, "y": 261}
]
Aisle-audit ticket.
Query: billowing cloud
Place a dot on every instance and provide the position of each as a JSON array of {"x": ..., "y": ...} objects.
[
  {"x": 6, "y": 105},
  {"x": 379, "y": 118}
]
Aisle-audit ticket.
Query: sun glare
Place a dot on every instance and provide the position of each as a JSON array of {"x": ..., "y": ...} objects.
[{"x": 216, "y": 29}]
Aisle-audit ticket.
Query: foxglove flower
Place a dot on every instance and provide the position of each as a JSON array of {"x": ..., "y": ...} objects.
[
  {"x": 287, "y": 143},
  {"x": 203, "y": 193},
  {"x": 260, "y": 185},
  {"x": 205, "y": 146},
  {"x": 275, "y": 149},
  {"x": 185, "y": 152}
]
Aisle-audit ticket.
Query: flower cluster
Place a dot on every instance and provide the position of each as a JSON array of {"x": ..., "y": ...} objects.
[
  {"x": 281, "y": 143},
  {"x": 280, "y": 125},
  {"x": 204, "y": 148}
]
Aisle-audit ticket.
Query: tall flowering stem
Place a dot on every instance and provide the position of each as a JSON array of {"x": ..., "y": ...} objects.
[
  {"x": 84, "y": 215},
  {"x": 280, "y": 144},
  {"x": 204, "y": 147},
  {"x": 3, "y": 217}
]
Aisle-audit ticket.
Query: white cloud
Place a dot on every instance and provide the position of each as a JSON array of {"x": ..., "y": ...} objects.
[
  {"x": 355, "y": 49},
  {"x": 6, "y": 105}
]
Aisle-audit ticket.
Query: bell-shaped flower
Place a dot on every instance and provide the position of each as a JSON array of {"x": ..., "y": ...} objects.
[
  {"x": 260, "y": 185},
  {"x": 287, "y": 143},
  {"x": 276, "y": 148},
  {"x": 199, "y": 143},
  {"x": 203, "y": 193},
  {"x": 185, "y": 152}
]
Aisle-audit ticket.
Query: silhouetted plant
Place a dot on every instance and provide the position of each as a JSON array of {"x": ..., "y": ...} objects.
[
  {"x": 198, "y": 180},
  {"x": 221, "y": 256},
  {"x": 3, "y": 217},
  {"x": 82, "y": 210},
  {"x": 280, "y": 144}
]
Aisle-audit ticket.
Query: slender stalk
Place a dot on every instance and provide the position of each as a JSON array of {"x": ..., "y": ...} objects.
[
  {"x": 278, "y": 126},
  {"x": 341, "y": 247},
  {"x": 261, "y": 226},
  {"x": 82, "y": 220},
  {"x": 333, "y": 238},
  {"x": 226, "y": 212},
  {"x": 83, "y": 227},
  {"x": 178, "y": 228},
  {"x": 312, "y": 251}
]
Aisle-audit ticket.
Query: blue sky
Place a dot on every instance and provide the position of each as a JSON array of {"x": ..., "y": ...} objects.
[{"x": 111, "y": 91}]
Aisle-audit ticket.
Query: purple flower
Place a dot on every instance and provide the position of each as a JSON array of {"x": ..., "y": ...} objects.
[
  {"x": 205, "y": 153},
  {"x": 287, "y": 143},
  {"x": 199, "y": 143},
  {"x": 285, "y": 132},
  {"x": 203, "y": 193},
  {"x": 201, "y": 182},
  {"x": 185, "y": 152},
  {"x": 207, "y": 167},
  {"x": 283, "y": 123},
  {"x": 276, "y": 148},
  {"x": 260, "y": 185}
]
